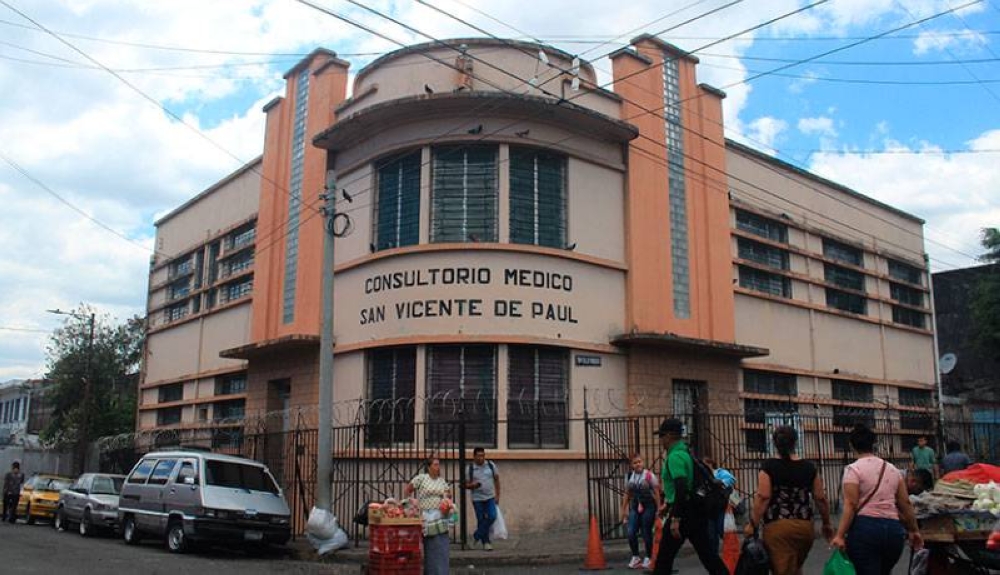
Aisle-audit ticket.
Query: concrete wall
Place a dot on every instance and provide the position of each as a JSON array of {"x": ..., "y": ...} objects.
[{"x": 193, "y": 347}]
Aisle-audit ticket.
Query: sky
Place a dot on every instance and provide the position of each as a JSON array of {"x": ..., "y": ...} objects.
[{"x": 112, "y": 113}]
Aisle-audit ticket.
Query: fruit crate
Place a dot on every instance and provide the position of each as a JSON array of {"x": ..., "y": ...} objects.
[
  {"x": 401, "y": 563},
  {"x": 394, "y": 538}
]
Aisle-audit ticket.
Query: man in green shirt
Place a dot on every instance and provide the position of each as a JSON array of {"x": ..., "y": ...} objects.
[
  {"x": 924, "y": 457},
  {"x": 683, "y": 520}
]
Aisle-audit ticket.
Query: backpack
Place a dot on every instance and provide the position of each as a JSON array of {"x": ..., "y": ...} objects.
[
  {"x": 709, "y": 494},
  {"x": 493, "y": 470}
]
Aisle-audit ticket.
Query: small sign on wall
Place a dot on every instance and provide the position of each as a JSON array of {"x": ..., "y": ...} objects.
[{"x": 588, "y": 360}]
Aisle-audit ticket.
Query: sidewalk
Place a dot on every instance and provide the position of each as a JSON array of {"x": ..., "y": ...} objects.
[{"x": 559, "y": 547}]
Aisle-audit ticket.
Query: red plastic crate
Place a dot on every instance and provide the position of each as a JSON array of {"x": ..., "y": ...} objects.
[
  {"x": 395, "y": 563},
  {"x": 395, "y": 539}
]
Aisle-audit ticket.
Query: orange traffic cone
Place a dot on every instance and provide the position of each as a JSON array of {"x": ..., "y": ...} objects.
[
  {"x": 595, "y": 550},
  {"x": 730, "y": 544}
]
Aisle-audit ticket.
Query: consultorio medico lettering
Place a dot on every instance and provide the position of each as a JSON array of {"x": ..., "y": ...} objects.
[{"x": 467, "y": 307}]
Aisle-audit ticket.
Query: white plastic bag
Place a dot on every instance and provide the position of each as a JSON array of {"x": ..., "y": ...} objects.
[
  {"x": 729, "y": 525},
  {"x": 322, "y": 524},
  {"x": 499, "y": 528},
  {"x": 324, "y": 546}
]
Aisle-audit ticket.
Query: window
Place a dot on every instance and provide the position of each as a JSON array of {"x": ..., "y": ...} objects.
[
  {"x": 175, "y": 312},
  {"x": 179, "y": 289},
  {"x": 240, "y": 238},
  {"x": 230, "y": 384},
  {"x": 162, "y": 471},
  {"x": 844, "y": 301},
  {"x": 847, "y": 416},
  {"x": 105, "y": 485},
  {"x": 761, "y": 226},
  {"x": 757, "y": 410},
  {"x": 237, "y": 264},
  {"x": 905, "y": 272},
  {"x": 173, "y": 392},
  {"x": 843, "y": 253},
  {"x": 765, "y": 282},
  {"x": 141, "y": 472},
  {"x": 853, "y": 391},
  {"x": 676, "y": 187},
  {"x": 538, "y": 386},
  {"x": 462, "y": 377},
  {"x": 392, "y": 383},
  {"x": 180, "y": 267},
  {"x": 537, "y": 198},
  {"x": 236, "y": 290},
  {"x": 910, "y": 317},
  {"x": 464, "y": 194},
  {"x": 915, "y": 397},
  {"x": 397, "y": 216},
  {"x": 168, "y": 415},
  {"x": 227, "y": 437},
  {"x": 907, "y": 295},
  {"x": 844, "y": 277},
  {"x": 769, "y": 382},
  {"x": 915, "y": 421},
  {"x": 298, "y": 153},
  {"x": 238, "y": 476},
  {"x": 232, "y": 409},
  {"x": 761, "y": 253}
]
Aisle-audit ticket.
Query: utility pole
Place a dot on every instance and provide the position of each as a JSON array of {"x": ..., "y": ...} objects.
[
  {"x": 324, "y": 452},
  {"x": 84, "y": 436}
]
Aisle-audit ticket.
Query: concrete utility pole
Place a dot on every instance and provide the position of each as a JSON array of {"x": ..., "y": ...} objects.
[
  {"x": 324, "y": 452},
  {"x": 84, "y": 438}
]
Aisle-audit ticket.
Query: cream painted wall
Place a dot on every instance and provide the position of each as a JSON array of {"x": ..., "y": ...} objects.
[
  {"x": 225, "y": 330},
  {"x": 851, "y": 346},
  {"x": 194, "y": 347},
  {"x": 172, "y": 353},
  {"x": 592, "y": 312},
  {"x": 771, "y": 325},
  {"x": 913, "y": 354}
]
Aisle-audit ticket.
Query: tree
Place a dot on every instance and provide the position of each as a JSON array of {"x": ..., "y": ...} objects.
[
  {"x": 110, "y": 363},
  {"x": 985, "y": 305}
]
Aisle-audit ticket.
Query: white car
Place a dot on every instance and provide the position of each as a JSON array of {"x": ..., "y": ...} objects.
[{"x": 91, "y": 503}]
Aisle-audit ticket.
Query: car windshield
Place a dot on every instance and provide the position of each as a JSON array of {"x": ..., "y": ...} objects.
[
  {"x": 238, "y": 475},
  {"x": 107, "y": 485},
  {"x": 51, "y": 484}
]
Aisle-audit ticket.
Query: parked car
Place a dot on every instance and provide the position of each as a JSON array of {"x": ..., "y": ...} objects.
[
  {"x": 40, "y": 496},
  {"x": 193, "y": 496},
  {"x": 91, "y": 503}
]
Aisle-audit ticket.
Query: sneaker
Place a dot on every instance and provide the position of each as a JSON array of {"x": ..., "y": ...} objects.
[
  {"x": 488, "y": 546},
  {"x": 635, "y": 562},
  {"x": 646, "y": 565}
]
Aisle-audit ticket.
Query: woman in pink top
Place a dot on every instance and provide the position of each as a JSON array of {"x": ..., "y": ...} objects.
[{"x": 876, "y": 507}]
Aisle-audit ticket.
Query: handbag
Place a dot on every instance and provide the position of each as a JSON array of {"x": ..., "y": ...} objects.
[{"x": 754, "y": 559}]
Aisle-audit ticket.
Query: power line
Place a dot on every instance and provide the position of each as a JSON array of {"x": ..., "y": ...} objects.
[
  {"x": 836, "y": 80},
  {"x": 24, "y": 329},
  {"x": 893, "y": 63}
]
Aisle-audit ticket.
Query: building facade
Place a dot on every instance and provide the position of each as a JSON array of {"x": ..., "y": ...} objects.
[{"x": 522, "y": 245}]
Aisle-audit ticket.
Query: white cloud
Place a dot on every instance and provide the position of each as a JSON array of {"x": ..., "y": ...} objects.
[
  {"x": 821, "y": 125},
  {"x": 953, "y": 41},
  {"x": 764, "y": 132}
]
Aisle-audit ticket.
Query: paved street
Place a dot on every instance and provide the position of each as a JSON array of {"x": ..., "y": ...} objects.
[{"x": 39, "y": 550}]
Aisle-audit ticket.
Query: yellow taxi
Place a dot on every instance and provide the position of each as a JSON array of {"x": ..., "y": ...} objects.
[{"x": 40, "y": 496}]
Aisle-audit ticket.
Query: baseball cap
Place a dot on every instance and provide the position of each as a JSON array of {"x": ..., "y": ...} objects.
[{"x": 671, "y": 426}]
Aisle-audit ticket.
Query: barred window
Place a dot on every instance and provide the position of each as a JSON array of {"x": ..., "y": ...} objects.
[
  {"x": 237, "y": 264},
  {"x": 757, "y": 410},
  {"x": 844, "y": 277},
  {"x": 241, "y": 237},
  {"x": 905, "y": 272},
  {"x": 761, "y": 226},
  {"x": 769, "y": 382},
  {"x": 853, "y": 391},
  {"x": 180, "y": 267},
  {"x": 397, "y": 216},
  {"x": 915, "y": 421},
  {"x": 175, "y": 312},
  {"x": 842, "y": 252},
  {"x": 232, "y": 409},
  {"x": 915, "y": 397},
  {"x": 462, "y": 377},
  {"x": 765, "y": 282},
  {"x": 168, "y": 393},
  {"x": 845, "y": 301},
  {"x": 761, "y": 253},
  {"x": 392, "y": 384},
  {"x": 179, "y": 289},
  {"x": 537, "y": 198},
  {"x": 906, "y": 316},
  {"x": 231, "y": 384},
  {"x": 907, "y": 295},
  {"x": 464, "y": 194},
  {"x": 168, "y": 415},
  {"x": 236, "y": 290},
  {"x": 538, "y": 388}
]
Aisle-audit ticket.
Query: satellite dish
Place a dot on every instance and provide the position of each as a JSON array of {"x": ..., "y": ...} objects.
[{"x": 948, "y": 362}]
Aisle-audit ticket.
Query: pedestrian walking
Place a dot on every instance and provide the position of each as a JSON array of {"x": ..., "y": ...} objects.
[
  {"x": 13, "y": 480},
  {"x": 876, "y": 509},
  {"x": 685, "y": 519},
  {"x": 639, "y": 508},
  {"x": 923, "y": 457},
  {"x": 955, "y": 459},
  {"x": 716, "y": 527},
  {"x": 434, "y": 499},
  {"x": 484, "y": 482},
  {"x": 787, "y": 488}
]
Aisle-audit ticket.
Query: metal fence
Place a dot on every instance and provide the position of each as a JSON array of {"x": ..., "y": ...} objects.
[{"x": 740, "y": 443}]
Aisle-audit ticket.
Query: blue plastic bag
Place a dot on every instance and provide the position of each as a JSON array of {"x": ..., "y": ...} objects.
[{"x": 839, "y": 564}]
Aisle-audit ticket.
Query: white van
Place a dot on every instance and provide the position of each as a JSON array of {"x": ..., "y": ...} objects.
[{"x": 193, "y": 496}]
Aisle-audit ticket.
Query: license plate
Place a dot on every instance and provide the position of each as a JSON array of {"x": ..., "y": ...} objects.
[{"x": 253, "y": 535}]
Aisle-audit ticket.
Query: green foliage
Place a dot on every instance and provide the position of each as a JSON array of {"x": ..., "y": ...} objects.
[
  {"x": 110, "y": 362},
  {"x": 985, "y": 305}
]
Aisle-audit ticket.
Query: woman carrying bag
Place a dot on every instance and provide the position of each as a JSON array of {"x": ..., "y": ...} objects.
[
  {"x": 876, "y": 508},
  {"x": 434, "y": 498}
]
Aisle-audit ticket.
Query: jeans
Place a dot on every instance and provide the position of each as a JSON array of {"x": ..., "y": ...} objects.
[
  {"x": 695, "y": 529},
  {"x": 875, "y": 545},
  {"x": 641, "y": 523},
  {"x": 486, "y": 514},
  {"x": 10, "y": 507}
]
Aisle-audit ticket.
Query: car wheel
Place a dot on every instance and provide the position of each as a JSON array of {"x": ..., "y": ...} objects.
[
  {"x": 176, "y": 540},
  {"x": 59, "y": 521},
  {"x": 129, "y": 532},
  {"x": 86, "y": 529},
  {"x": 28, "y": 517}
]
